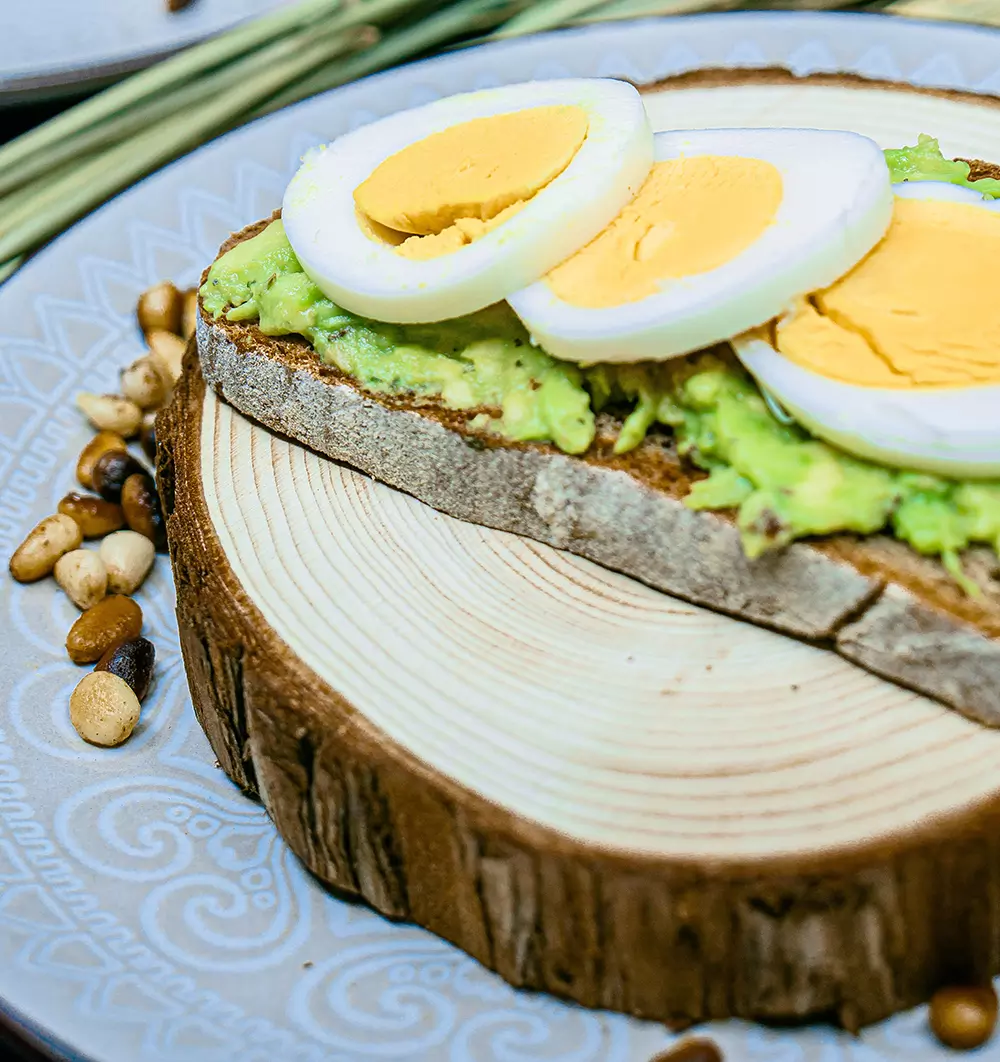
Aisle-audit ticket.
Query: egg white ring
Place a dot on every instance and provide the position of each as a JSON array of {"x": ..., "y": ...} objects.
[
  {"x": 943, "y": 190},
  {"x": 371, "y": 279},
  {"x": 836, "y": 205},
  {"x": 950, "y": 431}
]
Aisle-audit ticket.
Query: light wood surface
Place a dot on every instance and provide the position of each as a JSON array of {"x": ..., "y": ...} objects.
[
  {"x": 566, "y": 693},
  {"x": 593, "y": 789}
]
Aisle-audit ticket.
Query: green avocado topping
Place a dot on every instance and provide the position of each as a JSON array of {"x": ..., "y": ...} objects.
[
  {"x": 483, "y": 361},
  {"x": 782, "y": 483},
  {"x": 924, "y": 162}
]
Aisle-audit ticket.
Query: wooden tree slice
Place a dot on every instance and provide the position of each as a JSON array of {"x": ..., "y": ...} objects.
[{"x": 592, "y": 788}]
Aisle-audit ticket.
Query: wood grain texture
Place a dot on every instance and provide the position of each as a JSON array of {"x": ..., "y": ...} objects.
[{"x": 594, "y": 789}]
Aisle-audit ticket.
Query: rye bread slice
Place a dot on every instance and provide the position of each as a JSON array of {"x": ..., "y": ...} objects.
[{"x": 871, "y": 599}]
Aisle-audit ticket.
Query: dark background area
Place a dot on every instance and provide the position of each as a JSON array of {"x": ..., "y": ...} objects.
[
  {"x": 17, "y": 120},
  {"x": 19, "y": 1046}
]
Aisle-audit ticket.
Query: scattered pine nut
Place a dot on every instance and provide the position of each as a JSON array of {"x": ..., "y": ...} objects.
[
  {"x": 82, "y": 575},
  {"x": 111, "y": 413},
  {"x": 160, "y": 308},
  {"x": 100, "y": 444},
  {"x": 113, "y": 620},
  {"x": 104, "y": 709},
  {"x": 128, "y": 557},
  {"x": 110, "y": 472},
  {"x": 694, "y": 1049},
  {"x": 167, "y": 351},
  {"x": 189, "y": 319},
  {"x": 95, "y": 516},
  {"x": 147, "y": 435},
  {"x": 141, "y": 505},
  {"x": 105, "y": 706},
  {"x": 143, "y": 384},
  {"x": 46, "y": 543},
  {"x": 963, "y": 1018},
  {"x": 132, "y": 661}
]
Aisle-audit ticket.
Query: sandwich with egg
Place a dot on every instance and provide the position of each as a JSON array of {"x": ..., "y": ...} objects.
[{"x": 758, "y": 369}]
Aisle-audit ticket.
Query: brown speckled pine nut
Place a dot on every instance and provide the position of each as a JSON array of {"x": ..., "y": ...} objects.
[
  {"x": 46, "y": 543},
  {"x": 189, "y": 319},
  {"x": 95, "y": 516},
  {"x": 128, "y": 557},
  {"x": 132, "y": 661},
  {"x": 111, "y": 413},
  {"x": 160, "y": 308},
  {"x": 167, "y": 351},
  {"x": 963, "y": 1017},
  {"x": 147, "y": 435},
  {"x": 101, "y": 443},
  {"x": 103, "y": 709},
  {"x": 143, "y": 383},
  {"x": 141, "y": 505},
  {"x": 694, "y": 1049},
  {"x": 111, "y": 471},
  {"x": 83, "y": 577},
  {"x": 113, "y": 620}
]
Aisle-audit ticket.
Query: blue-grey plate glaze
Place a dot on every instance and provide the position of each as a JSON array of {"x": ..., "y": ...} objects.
[{"x": 147, "y": 910}]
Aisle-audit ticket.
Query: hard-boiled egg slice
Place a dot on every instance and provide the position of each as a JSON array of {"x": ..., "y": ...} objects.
[
  {"x": 469, "y": 198},
  {"x": 899, "y": 361},
  {"x": 730, "y": 225}
]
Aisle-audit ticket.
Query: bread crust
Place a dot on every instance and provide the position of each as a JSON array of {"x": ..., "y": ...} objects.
[{"x": 873, "y": 600}]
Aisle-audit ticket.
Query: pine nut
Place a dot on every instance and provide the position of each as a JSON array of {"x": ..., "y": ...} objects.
[
  {"x": 160, "y": 308},
  {"x": 81, "y": 573},
  {"x": 167, "y": 351},
  {"x": 103, "y": 709},
  {"x": 100, "y": 444},
  {"x": 111, "y": 413},
  {"x": 189, "y": 318},
  {"x": 132, "y": 661},
  {"x": 963, "y": 1018},
  {"x": 128, "y": 557},
  {"x": 95, "y": 516},
  {"x": 147, "y": 435},
  {"x": 46, "y": 543},
  {"x": 694, "y": 1049},
  {"x": 111, "y": 471},
  {"x": 143, "y": 384},
  {"x": 141, "y": 505},
  {"x": 113, "y": 620}
]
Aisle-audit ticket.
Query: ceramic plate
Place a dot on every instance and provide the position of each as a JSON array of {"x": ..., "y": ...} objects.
[
  {"x": 56, "y": 45},
  {"x": 147, "y": 910}
]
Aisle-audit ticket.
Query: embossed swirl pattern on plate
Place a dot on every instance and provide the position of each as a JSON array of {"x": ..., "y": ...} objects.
[{"x": 136, "y": 886}]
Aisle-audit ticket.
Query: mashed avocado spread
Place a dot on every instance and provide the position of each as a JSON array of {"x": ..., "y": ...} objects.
[{"x": 783, "y": 483}]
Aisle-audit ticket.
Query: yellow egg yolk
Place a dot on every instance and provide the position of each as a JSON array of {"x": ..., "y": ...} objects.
[
  {"x": 443, "y": 192},
  {"x": 692, "y": 214},
  {"x": 918, "y": 311}
]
